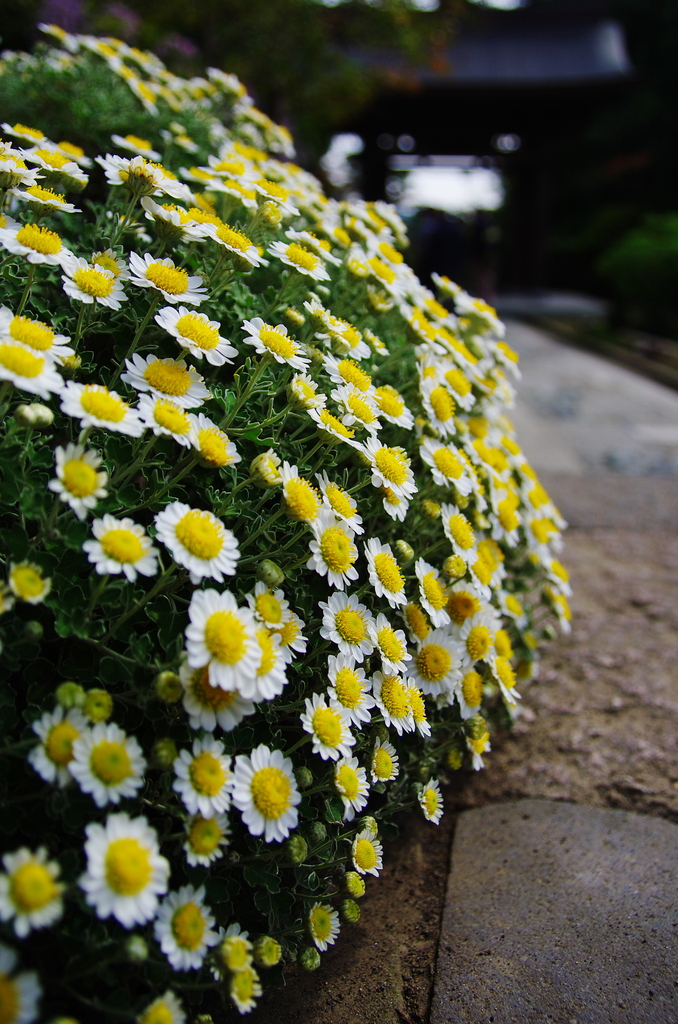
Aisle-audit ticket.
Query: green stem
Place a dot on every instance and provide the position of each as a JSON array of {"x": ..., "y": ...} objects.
[
  {"x": 304, "y": 739},
  {"x": 249, "y": 388},
  {"x": 98, "y": 591},
  {"x": 160, "y": 585},
  {"x": 135, "y": 340},
  {"x": 123, "y": 222},
  {"x": 27, "y": 288}
]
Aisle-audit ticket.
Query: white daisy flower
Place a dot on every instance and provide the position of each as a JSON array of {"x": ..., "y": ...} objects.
[
  {"x": 197, "y": 333},
  {"x": 21, "y": 992},
  {"x": 416, "y": 699},
  {"x": 358, "y": 408},
  {"x": 459, "y": 532},
  {"x": 328, "y": 727},
  {"x": 140, "y": 147},
  {"x": 302, "y": 391},
  {"x": 436, "y": 667},
  {"x": 173, "y": 283},
  {"x": 207, "y": 705},
  {"x": 107, "y": 763},
  {"x": 478, "y": 747},
  {"x": 384, "y": 766},
  {"x": 275, "y": 341},
  {"x": 28, "y": 582},
  {"x": 333, "y": 553},
  {"x": 349, "y": 688},
  {"x": 338, "y": 501},
  {"x": 265, "y": 792},
  {"x": 142, "y": 176},
  {"x": 392, "y": 646},
  {"x": 90, "y": 284},
  {"x": 215, "y": 449},
  {"x": 431, "y": 801},
  {"x": 28, "y": 370},
  {"x": 121, "y": 545},
  {"x": 204, "y": 779},
  {"x": 183, "y": 928},
  {"x": 164, "y": 1010},
  {"x": 57, "y": 730},
  {"x": 391, "y": 406},
  {"x": 46, "y": 198},
  {"x": 125, "y": 872},
  {"x": 459, "y": 384},
  {"x": 350, "y": 781},
  {"x": 95, "y": 406},
  {"x": 345, "y": 338},
  {"x": 30, "y": 895},
  {"x": 395, "y": 506},
  {"x": 235, "y": 242},
  {"x": 391, "y": 697},
  {"x": 166, "y": 378},
  {"x": 439, "y": 406},
  {"x": 464, "y": 600},
  {"x": 244, "y": 988},
  {"x": 432, "y": 592},
  {"x": 470, "y": 694},
  {"x": 199, "y": 541},
  {"x": 270, "y": 678},
  {"x": 206, "y": 839},
  {"x": 348, "y": 624},
  {"x": 391, "y": 468},
  {"x": 502, "y": 670},
  {"x": 109, "y": 260},
  {"x": 300, "y": 259},
  {"x": 37, "y": 244},
  {"x": 35, "y": 335},
  {"x": 269, "y": 606},
  {"x": 163, "y": 416},
  {"x": 301, "y": 498},
  {"x": 366, "y": 852},
  {"x": 348, "y": 372},
  {"x": 272, "y": 191},
  {"x": 323, "y": 925},
  {"x": 57, "y": 165},
  {"x": 447, "y": 467},
  {"x": 477, "y": 637},
  {"x": 224, "y": 636},
  {"x": 330, "y": 426},
  {"x": 78, "y": 481},
  {"x": 292, "y": 637},
  {"x": 384, "y": 572},
  {"x": 317, "y": 245}
]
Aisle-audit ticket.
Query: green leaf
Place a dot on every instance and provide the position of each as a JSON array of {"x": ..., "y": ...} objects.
[{"x": 263, "y": 873}]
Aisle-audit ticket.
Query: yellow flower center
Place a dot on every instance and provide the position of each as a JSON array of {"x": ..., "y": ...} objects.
[
  {"x": 33, "y": 133},
  {"x": 171, "y": 417},
  {"x": 168, "y": 377},
  {"x": 234, "y": 239},
  {"x": 483, "y": 568},
  {"x": 462, "y": 605},
  {"x": 242, "y": 985},
  {"x": 172, "y": 280},
  {"x": 417, "y": 621},
  {"x": 538, "y": 496},
  {"x": 277, "y": 342},
  {"x": 127, "y": 866},
  {"x": 393, "y": 255},
  {"x": 59, "y": 743},
  {"x": 207, "y": 774},
  {"x": 273, "y": 189},
  {"x": 448, "y": 463},
  {"x": 188, "y": 926},
  {"x": 288, "y": 632},
  {"x": 507, "y": 514},
  {"x": 268, "y": 655},
  {"x": 354, "y": 374},
  {"x": 138, "y": 143},
  {"x": 382, "y": 271},
  {"x": 98, "y": 401},
  {"x": 431, "y": 802},
  {"x": 393, "y": 465},
  {"x": 301, "y": 257},
  {"x": 93, "y": 282},
  {"x": 327, "y": 726},
  {"x": 478, "y": 642},
  {"x": 331, "y": 422},
  {"x": 268, "y": 606},
  {"x": 514, "y": 605},
  {"x": 200, "y": 534},
  {"x": 72, "y": 150},
  {"x": 46, "y": 194},
  {"x": 504, "y": 671},
  {"x": 461, "y": 531},
  {"x": 382, "y": 764},
  {"x": 319, "y": 918},
  {"x": 106, "y": 263},
  {"x": 390, "y": 644},
  {"x": 433, "y": 662},
  {"x": 389, "y": 401},
  {"x": 55, "y": 160},
  {"x": 348, "y": 688},
  {"x": 365, "y": 854},
  {"x": 502, "y": 644},
  {"x": 210, "y": 696},
  {"x": 214, "y": 448},
  {"x": 271, "y": 792},
  {"x": 110, "y": 762},
  {"x": 204, "y": 836},
  {"x": 394, "y": 697},
  {"x": 198, "y": 331},
  {"x": 27, "y": 582},
  {"x": 33, "y": 333},
  {"x": 348, "y": 782},
  {"x": 41, "y": 240},
  {"x": 225, "y": 637},
  {"x": 20, "y": 362},
  {"x": 434, "y": 591},
  {"x": 542, "y": 529},
  {"x": 122, "y": 546},
  {"x": 32, "y": 887},
  {"x": 337, "y": 549},
  {"x": 158, "y": 1013},
  {"x": 361, "y": 409},
  {"x": 442, "y": 404},
  {"x": 472, "y": 689},
  {"x": 302, "y": 499},
  {"x": 350, "y": 625},
  {"x": 230, "y": 167},
  {"x": 79, "y": 478},
  {"x": 417, "y": 706},
  {"x": 458, "y": 381}
]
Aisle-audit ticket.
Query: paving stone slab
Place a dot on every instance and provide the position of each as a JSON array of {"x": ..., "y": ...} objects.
[{"x": 559, "y": 913}]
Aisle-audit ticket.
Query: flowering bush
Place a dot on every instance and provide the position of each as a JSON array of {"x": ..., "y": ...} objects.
[{"x": 274, "y": 558}]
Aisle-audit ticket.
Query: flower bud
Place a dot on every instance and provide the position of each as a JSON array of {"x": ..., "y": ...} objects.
[
  {"x": 264, "y": 470},
  {"x": 431, "y": 508},
  {"x": 164, "y": 753},
  {"x": 404, "y": 552},
  {"x": 168, "y": 687},
  {"x": 267, "y": 952},
  {"x": 270, "y": 214},
  {"x": 315, "y": 832},
  {"x": 454, "y": 759},
  {"x": 304, "y": 777},
  {"x": 349, "y": 911},
  {"x": 369, "y": 824},
  {"x": 71, "y": 364},
  {"x": 294, "y": 317},
  {"x": 309, "y": 959},
  {"x": 136, "y": 949},
  {"x": 354, "y": 884},
  {"x": 98, "y": 706},
  {"x": 34, "y": 415},
  {"x": 480, "y": 521},
  {"x": 70, "y": 695},
  {"x": 476, "y": 727},
  {"x": 549, "y": 632},
  {"x": 270, "y": 573},
  {"x": 32, "y": 630},
  {"x": 462, "y": 500},
  {"x": 454, "y": 567},
  {"x": 64, "y": 1020},
  {"x": 203, "y": 1018},
  {"x": 296, "y": 849}
]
